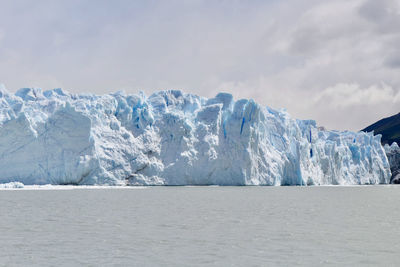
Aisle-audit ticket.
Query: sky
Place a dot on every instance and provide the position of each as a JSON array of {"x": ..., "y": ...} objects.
[{"x": 337, "y": 61}]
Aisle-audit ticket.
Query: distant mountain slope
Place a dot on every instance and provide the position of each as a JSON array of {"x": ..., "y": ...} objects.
[{"x": 389, "y": 128}]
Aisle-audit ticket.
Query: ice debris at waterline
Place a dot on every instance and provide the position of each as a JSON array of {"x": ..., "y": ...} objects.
[
  {"x": 11, "y": 185},
  {"x": 172, "y": 138}
]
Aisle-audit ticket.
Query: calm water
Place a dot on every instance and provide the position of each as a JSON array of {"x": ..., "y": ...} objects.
[{"x": 201, "y": 226}]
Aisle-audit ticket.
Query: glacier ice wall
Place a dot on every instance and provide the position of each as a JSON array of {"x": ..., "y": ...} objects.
[
  {"x": 393, "y": 155},
  {"x": 172, "y": 138}
]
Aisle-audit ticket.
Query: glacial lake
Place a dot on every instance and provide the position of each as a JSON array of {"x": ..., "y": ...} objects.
[{"x": 200, "y": 226}]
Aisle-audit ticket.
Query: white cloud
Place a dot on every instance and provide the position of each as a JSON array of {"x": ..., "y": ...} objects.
[
  {"x": 350, "y": 106},
  {"x": 281, "y": 53},
  {"x": 344, "y": 95}
]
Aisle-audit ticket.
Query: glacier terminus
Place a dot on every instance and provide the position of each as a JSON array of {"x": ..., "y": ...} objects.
[{"x": 174, "y": 138}]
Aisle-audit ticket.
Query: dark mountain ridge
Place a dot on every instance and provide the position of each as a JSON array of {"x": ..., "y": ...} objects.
[{"x": 388, "y": 127}]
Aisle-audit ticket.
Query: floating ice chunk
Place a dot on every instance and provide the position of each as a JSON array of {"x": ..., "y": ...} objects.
[{"x": 12, "y": 185}]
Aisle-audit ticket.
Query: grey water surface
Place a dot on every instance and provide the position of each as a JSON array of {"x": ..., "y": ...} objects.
[{"x": 201, "y": 226}]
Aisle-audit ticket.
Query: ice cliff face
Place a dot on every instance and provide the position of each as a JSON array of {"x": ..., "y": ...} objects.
[
  {"x": 172, "y": 138},
  {"x": 393, "y": 155}
]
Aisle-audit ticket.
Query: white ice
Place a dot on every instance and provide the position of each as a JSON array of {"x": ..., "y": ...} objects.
[
  {"x": 11, "y": 185},
  {"x": 172, "y": 138}
]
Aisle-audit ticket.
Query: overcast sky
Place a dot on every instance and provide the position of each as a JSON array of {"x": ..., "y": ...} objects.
[{"x": 337, "y": 62}]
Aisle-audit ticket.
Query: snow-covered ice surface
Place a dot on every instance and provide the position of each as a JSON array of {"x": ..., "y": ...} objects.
[{"x": 172, "y": 138}]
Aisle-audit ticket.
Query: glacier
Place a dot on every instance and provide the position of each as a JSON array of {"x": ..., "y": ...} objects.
[
  {"x": 393, "y": 155},
  {"x": 174, "y": 138}
]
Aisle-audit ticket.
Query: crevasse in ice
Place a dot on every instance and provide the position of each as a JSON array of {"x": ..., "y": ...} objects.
[{"x": 172, "y": 138}]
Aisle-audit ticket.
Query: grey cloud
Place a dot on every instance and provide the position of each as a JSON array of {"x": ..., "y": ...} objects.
[
  {"x": 393, "y": 60},
  {"x": 384, "y": 15},
  {"x": 384, "y": 18},
  {"x": 374, "y": 10},
  {"x": 281, "y": 53}
]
